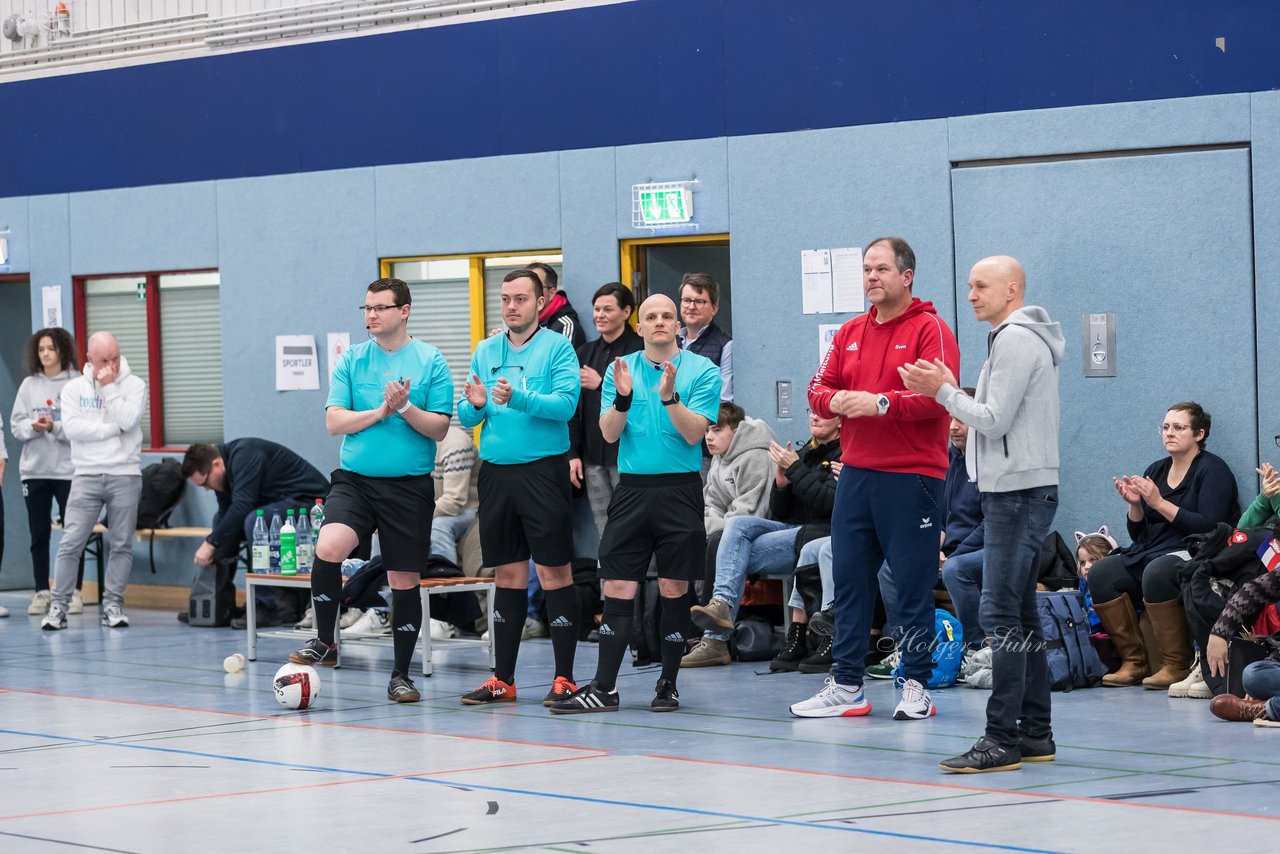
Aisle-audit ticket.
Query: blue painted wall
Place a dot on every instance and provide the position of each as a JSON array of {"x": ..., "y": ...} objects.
[{"x": 613, "y": 75}]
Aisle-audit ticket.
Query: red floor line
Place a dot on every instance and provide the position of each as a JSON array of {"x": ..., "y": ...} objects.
[
  {"x": 300, "y": 788},
  {"x": 935, "y": 785},
  {"x": 298, "y": 721}
]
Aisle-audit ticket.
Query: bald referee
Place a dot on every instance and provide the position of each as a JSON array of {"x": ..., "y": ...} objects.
[{"x": 656, "y": 403}]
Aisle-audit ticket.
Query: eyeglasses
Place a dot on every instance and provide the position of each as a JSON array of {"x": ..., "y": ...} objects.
[
  {"x": 690, "y": 302},
  {"x": 1174, "y": 428},
  {"x": 378, "y": 309}
]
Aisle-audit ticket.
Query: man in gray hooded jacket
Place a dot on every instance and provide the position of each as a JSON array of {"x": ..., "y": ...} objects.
[{"x": 1013, "y": 423}]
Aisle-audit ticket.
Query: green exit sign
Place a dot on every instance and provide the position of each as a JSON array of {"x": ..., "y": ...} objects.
[{"x": 666, "y": 206}]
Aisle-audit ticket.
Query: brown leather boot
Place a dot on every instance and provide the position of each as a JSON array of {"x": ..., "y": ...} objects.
[
  {"x": 1121, "y": 622},
  {"x": 1169, "y": 622}
]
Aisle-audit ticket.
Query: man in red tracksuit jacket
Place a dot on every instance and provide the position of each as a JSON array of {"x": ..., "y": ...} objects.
[{"x": 889, "y": 497}]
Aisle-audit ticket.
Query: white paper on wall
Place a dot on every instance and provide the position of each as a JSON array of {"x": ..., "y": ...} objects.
[
  {"x": 51, "y": 305},
  {"x": 815, "y": 280},
  {"x": 846, "y": 280},
  {"x": 296, "y": 363}
]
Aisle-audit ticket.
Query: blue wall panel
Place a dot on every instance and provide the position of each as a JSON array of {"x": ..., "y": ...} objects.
[
  {"x": 1122, "y": 235},
  {"x": 137, "y": 229},
  {"x": 499, "y": 203},
  {"x": 621, "y": 74},
  {"x": 704, "y": 160},
  {"x": 1266, "y": 195},
  {"x": 817, "y": 190},
  {"x": 587, "y": 211},
  {"x": 49, "y": 242}
]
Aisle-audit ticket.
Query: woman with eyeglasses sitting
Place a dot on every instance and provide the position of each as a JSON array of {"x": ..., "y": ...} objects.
[{"x": 1187, "y": 492}]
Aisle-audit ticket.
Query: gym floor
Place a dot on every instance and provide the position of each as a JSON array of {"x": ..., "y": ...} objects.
[{"x": 135, "y": 740}]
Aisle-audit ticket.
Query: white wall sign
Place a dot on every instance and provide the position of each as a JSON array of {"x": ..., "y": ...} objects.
[
  {"x": 297, "y": 366},
  {"x": 339, "y": 343},
  {"x": 51, "y": 305},
  {"x": 826, "y": 334}
]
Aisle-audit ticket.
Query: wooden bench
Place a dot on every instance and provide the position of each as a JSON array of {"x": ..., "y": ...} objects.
[
  {"x": 96, "y": 546},
  {"x": 428, "y": 588}
]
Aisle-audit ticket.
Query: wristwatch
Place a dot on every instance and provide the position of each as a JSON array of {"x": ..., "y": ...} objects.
[
  {"x": 882, "y": 404},
  {"x": 675, "y": 398}
]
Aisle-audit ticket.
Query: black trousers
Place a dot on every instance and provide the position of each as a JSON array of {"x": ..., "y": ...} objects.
[{"x": 40, "y": 495}]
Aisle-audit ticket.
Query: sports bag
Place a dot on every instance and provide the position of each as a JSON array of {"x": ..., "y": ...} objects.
[
  {"x": 162, "y": 486},
  {"x": 948, "y": 650},
  {"x": 1071, "y": 658}
]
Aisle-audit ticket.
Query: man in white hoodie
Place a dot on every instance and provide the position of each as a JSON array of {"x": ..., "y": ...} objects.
[
  {"x": 1013, "y": 454},
  {"x": 102, "y": 416}
]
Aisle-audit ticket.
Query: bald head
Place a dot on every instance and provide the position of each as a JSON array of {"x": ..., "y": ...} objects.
[
  {"x": 102, "y": 345},
  {"x": 997, "y": 288},
  {"x": 657, "y": 321}
]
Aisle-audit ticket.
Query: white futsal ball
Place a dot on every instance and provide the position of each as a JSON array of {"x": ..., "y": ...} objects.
[{"x": 296, "y": 686}]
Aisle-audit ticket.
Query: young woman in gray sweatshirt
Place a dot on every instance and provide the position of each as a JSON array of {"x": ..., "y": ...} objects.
[{"x": 45, "y": 466}]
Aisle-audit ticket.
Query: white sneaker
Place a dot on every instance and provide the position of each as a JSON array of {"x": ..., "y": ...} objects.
[
  {"x": 40, "y": 603},
  {"x": 308, "y": 620},
  {"x": 77, "y": 603},
  {"x": 350, "y": 617},
  {"x": 374, "y": 621},
  {"x": 4, "y": 612},
  {"x": 915, "y": 704},
  {"x": 533, "y": 629},
  {"x": 833, "y": 701},
  {"x": 1193, "y": 686},
  {"x": 54, "y": 620},
  {"x": 441, "y": 630},
  {"x": 981, "y": 659},
  {"x": 113, "y": 617}
]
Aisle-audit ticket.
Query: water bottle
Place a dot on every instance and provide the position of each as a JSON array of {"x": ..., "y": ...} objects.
[
  {"x": 306, "y": 548},
  {"x": 288, "y": 545},
  {"x": 273, "y": 535},
  {"x": 317, "y": 519},
  {"x": 261, "y": 549}
]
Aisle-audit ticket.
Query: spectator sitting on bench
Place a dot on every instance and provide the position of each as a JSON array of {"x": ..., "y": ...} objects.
[
  {"x": 248, "y": 475},
  {"x": 1189, "y": 491},
  {"x": 1261, "y": 679},
  {"x": 800, "y": 502}
]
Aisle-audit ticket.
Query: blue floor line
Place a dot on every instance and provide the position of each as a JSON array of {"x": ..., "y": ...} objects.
[{"x": 531, "y": 793}]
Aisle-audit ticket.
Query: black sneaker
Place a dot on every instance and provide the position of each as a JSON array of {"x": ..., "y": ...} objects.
[
  {"x": 984, "y": 756},
  {"x": 401, "y": 690},
  {"x": 588, "y": 698},
  {"x": 793, "y": 650},
  {"x": 666, "y": 698},
  {"x": 1037, "y": 749},
  {"x": 317, "y": 653},
  {"x": 820, "y": 661},
  {"x": 823, "y": 624}
]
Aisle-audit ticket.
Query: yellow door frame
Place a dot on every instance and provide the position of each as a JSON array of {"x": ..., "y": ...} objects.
[{"x": 629, "y": 250}]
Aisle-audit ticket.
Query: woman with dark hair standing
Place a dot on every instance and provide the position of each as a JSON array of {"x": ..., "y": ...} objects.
[
  {"x": 1187, "y": 492},
  {"x": 45, "y": 467}
]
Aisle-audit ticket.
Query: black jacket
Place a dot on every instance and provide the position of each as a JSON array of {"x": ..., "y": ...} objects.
[
  {"x": 565, "y": 321},
  {"x": 810, "y": 493},
  {"x": 260, "y": 472},
  {"x": 585, "y": 440}
]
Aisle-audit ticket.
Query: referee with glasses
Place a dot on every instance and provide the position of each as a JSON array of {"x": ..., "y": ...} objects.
[
  {"x": 657, "y": 404},
  {"x": 524, "y": 389},
  {"x": 390, "y": 399}
]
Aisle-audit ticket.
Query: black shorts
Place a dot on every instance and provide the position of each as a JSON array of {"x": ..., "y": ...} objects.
[
  {"x": 526, "y": 511},
  {"x": 398, "y": 508},
  {"x": 654, "y": 515}
]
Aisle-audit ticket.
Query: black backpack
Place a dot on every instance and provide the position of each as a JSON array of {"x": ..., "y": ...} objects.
[
  {"x": 1057, "y": 569},
  {"x": 162, "y": 485}
]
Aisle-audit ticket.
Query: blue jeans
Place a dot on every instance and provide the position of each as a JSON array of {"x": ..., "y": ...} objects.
[
  {"x": 751, "y": 546},
  {"x": 816, "y": 551},
  {"x": 962, "y": 575},
  {"x": 448, "y": 531},
  {"x": 1016, "y": 524},
  {"x": 894, "y": 517},
  {"x": 1261, "y": 681}
]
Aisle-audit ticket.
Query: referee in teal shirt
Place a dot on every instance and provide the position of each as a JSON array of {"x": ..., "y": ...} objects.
[
  {"x": 524, "y": 389},
  {"x": 390, "y": 399},
  {"x": 657, "y": 404}
]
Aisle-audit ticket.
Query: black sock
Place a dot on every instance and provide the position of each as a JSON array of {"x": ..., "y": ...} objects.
[
  {"x": 562, "y": 617},
  {"x": 615, "y": 635},
  {"x": 326, "y": 597},
  {"x": 673, "y": 624},
  {"x": 510, "y": 607},
  {"x": 406, "y": 616}
]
